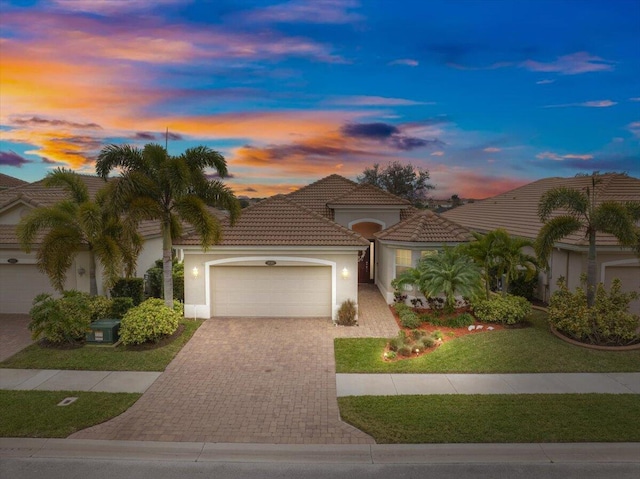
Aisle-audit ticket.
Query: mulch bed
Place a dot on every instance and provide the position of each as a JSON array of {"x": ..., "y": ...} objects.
[{"x": 448, "y": 333}]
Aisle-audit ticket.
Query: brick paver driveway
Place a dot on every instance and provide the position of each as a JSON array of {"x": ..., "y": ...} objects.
[
  {"x": 252, "y": 380},
  {"x": 14, "y": 334}
]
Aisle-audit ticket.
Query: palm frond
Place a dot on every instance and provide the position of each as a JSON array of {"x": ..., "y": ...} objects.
[
  {"x": 70, "y": 181},
  {"x": 194, "y": 211},
  {"x": 616, "y": 219},
  {"x": 200, "y": 157},
  {"x": 39, "y": 220},
  {"x": 55, "y": 256},
  {"x": 576, "y": 202},
  {"x": 113, "y": 156},
  {"x": 553, "y": 231}
]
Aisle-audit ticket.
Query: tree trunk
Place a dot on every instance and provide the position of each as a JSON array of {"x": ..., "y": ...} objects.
[
  {"x": 93, "y": 283},
  {"x": 591, "y": 269},
  {"x": 167, "y": 265}
]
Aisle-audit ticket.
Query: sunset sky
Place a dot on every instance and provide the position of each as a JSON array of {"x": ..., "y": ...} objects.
[{"x": 485, "y": 95}]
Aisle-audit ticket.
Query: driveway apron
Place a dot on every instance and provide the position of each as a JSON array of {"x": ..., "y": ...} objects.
[{"x": 254, "y": 380}]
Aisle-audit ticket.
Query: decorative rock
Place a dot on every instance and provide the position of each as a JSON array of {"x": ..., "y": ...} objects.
[
  {"x": 490, "y": 328},
  {"x": 479, "y": 327},
  {"x": 471, "y": 328}
]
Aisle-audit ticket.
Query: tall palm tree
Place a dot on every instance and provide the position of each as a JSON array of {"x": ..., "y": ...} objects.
[
  {"x": 583, "y": 213},
  {"x": 77, "y": 224},
  {"x": 450, "y": 273},
  {"x": 172, "y": 189}
]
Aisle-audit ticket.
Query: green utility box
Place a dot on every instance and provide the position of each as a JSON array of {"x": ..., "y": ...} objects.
[{"x": 104, "y": 331}]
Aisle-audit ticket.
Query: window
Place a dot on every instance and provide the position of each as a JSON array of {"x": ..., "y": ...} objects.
[{"x": 403, "y": 260}]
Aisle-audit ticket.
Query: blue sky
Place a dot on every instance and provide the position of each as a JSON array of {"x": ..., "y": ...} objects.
[{"x": 485, "y": 95}]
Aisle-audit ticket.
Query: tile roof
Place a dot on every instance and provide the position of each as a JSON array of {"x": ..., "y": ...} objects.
[
  {"x": 36, "y": 194},
  {"x": 365, "y": 194},
  {"x": 315, "y": 196},
  {"x": 517, "y": 210},
  {"x": 279, "y": 221},
  {"x": 7, "y": 181},
  {"x": 425, "y": 226}
]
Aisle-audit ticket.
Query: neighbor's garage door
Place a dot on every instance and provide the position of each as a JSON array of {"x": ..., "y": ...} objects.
[
  {"x": 275, "y": 291},
  {"x": 629, "y": 277},
  {"x": 19, "y": 284}
]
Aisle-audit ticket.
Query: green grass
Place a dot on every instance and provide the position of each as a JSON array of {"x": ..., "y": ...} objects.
[
  {"x": 101, "y": 357},
  {"x": 36, "y": 414},
  {"x": 495, "y": 418},
  {"x": 528, "y": 350}
]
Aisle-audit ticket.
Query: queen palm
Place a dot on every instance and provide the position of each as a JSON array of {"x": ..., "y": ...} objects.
[
  {"x": 172, "y": 189},
  {"x": 499, "y": 253},
  {"x": 450, "y": 273},
  {"x": 582, "y": 213},
  {"x": 78, "y": 224}
]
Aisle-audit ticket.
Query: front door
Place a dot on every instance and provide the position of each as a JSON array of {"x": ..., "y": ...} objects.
[{"x": 364, "y": 266}]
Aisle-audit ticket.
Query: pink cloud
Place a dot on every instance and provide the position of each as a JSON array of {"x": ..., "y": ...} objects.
[
  {"x": 409, "y": 62},
  {"x": 364, "y": 100},
  {"x": 548, "y": 155},
  {"x": 587, "y": 104},
  {"x": 492, "y": 149},
  {"x": 573, "y": 64},
  {"x": 306, "y": 11}
]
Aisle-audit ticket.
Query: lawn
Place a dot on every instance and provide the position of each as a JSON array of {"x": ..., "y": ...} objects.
[
  {"x": 101, "y": 357},
  {"x": 36, "y": 414},
  {"x": 528, "y": 350},
  {"x": 495, "y": 418}
]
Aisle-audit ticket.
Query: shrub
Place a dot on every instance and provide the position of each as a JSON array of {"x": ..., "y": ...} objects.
[
  {"x": 506, "y": 309},
  {"x": 432, "y": 319},
  {"x": 427, "y": 342},
  {"x": 149, "y": 321},
  {"x": 155, "y": 280},
  {"x": 120, "y": 306},
  {"x": 390, "y": 355},
  {"x": 129, "y": 288},
  {"x": 178, "y": 307},
  {"x": 101, "y": 307},
  {"x": 63, "y": 320},
  {"x": 347, "y": 313},
  {"x": 399, "y": 297},
  {"x": 399, "y": 307},
  {"x": 608, "y": 322},
  {"x": 436, "y": 334},
  {"x": 409, "y": 319},
  {"x": 524, "y": 287},
  {"x": 417, "y": 334},
  {"x": 404, "y": 351},
  {"x": 461, "y": 321}
]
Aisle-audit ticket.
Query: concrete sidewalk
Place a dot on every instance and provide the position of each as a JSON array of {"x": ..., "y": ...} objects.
[
  {"x": 545, "y": 383},
  {"x": 59, "y": 380},
  {"x": 544, "y": 453}
]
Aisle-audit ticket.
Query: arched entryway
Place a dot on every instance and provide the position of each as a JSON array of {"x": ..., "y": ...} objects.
[{"x": 366, "y": 266}]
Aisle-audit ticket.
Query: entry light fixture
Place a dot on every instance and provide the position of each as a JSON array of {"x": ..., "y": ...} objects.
[
  {"x": 195, "y": 272},
  {"x": 81, "y": 271},
  {"x": 345, "y": 273}
]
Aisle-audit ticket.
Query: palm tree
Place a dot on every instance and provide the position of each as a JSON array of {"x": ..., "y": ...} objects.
[
  {"x": 499, "y": 254},
  {"x": 450, "y": 273},
  {"x": 77, "y": 224},
  {"x": 172, "y": 189},
  {"x": 583, "y": 213}
]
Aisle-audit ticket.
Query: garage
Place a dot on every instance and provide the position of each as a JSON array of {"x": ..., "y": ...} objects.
[
  {"x": 20, "y": 284},
  {"x": 276, "y": 291},
  {"x": 629, "y": 276}
]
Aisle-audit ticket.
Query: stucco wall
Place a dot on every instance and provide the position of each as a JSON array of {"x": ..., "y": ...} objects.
[
  {"x": 13, "y": 215},
  {"x": 346, "y": 216}
]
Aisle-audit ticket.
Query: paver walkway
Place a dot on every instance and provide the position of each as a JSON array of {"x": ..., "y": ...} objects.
[{"x": 14, "y": 334}]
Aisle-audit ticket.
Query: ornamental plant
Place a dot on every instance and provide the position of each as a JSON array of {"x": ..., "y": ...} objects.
[
  {"x": 347, "y": 313},
  {"x": 608, "y": 322},
  {"x": 62, "y": 320},
  {"x": 148, "y": 322},
  {"x": 506, "y": 309}
]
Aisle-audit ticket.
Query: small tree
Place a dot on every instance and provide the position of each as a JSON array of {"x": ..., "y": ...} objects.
[
  {"x": 406, "y": 181},
  {"x": 449, "y": 273}
]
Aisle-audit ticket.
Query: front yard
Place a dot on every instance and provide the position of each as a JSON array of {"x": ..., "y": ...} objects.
[
  {"x": 528, "y": 350},
  {"x": 102, "y": 357}
]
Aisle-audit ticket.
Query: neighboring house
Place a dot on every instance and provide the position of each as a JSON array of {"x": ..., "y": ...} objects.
[
  {"x": 517, "y": 212},
  {"x": 7, "y": 182},
  {"x": 20, "y": 279},
  {"x": 304, "y": 254}
]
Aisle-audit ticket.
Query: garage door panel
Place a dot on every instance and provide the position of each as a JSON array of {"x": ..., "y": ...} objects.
[
  {"x": 286, "y": 291},
  {"x": 19, "y": 284}
]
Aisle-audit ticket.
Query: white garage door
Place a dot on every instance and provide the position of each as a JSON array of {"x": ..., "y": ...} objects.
[
  {"x": 19, "y": 284},
  {"x": 629, "y": 276},
  {"x": 276, "y": 291}
]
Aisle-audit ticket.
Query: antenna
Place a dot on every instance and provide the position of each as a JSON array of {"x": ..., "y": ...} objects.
[{"x": 166, "y": 140}]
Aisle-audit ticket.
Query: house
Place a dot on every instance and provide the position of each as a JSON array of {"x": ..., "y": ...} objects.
[
  {"x": 20, "y": 278},
  {"x": 303, "y": 254},
  {"x": 7, "y": 182},
  {"x": 517, "y": 212}
]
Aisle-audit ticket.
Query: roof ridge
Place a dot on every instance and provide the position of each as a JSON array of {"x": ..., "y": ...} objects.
[
  {"x": 321, "y": 180},
  {"x": 360, "y": 186}
]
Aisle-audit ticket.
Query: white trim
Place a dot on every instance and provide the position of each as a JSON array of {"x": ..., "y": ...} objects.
[
  {"x": 619, "y": 262},
  {"x": 208, "y": 264},
  {"x": 367, "y": 220}
]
